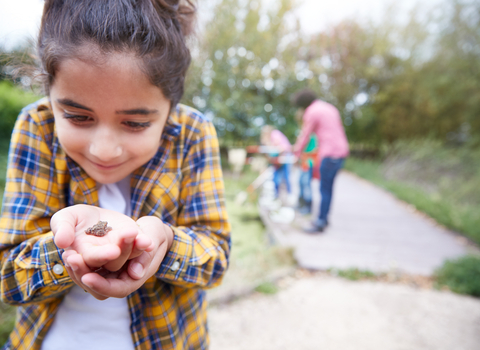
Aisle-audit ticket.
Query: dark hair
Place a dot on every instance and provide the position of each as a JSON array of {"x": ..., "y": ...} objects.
[
  {"x": 304, "y": 98},
  {"x": 152, "y": 30}
]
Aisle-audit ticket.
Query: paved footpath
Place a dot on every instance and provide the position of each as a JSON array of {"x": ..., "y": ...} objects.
[
  {"x": 313, "y": 313},
  {"x": 370, "y": 230}
]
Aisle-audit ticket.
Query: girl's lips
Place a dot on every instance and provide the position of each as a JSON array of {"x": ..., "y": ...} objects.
[{"x": 107, "y": 167}]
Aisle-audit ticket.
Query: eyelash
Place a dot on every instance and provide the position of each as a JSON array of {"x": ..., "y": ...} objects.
[
  {"x": 137, "y": 125},
  {"x": 75, "y": 118},
  {"x": 81, "y": 119}
]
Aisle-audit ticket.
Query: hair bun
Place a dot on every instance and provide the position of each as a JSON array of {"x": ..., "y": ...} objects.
[
  {"x": 170, "y": 5},
  {"x": 183, "y": 10}
]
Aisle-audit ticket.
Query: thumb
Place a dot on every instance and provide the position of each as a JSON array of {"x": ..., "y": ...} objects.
[
  {"x": 63, "y": 227},
  {"x": 64, "y": 234}
]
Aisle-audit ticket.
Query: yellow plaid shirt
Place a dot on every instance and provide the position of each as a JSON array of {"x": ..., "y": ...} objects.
[{"x": 182, "y": 184}]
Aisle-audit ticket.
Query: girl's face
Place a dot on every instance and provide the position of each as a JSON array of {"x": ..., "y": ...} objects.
[{"x": 109, "y": 118}]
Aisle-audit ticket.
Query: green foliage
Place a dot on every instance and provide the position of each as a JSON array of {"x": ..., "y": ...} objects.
[
  {"x": 244, "y": 70},
  {"x": 3, "y": 170},
  {"x": 461, "y": 276},
  {"x": 390, "y": 80},
  {"x": 12, "y": 100},
  {"x": 394, "y": 81}
]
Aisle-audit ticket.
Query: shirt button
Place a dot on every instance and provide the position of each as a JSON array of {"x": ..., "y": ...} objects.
[
  {"x": 175, "y": 266},
  {"x": 58, "y": 269}
]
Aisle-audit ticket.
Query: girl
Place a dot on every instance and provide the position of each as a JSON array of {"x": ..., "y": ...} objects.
[
  {"x": 111, "y": 152},
  {"x": 270, "y": 136}
]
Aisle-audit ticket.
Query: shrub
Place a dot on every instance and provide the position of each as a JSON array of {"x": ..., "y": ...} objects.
[
  {"x": 461, "y": 276},
  {"x": 12, "y": 100}
]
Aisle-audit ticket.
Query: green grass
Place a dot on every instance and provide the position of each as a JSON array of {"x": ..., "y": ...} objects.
[
  {"x": 461, "y": 276},
  {"x": 267, "y": 288},
  {"x": 7, "y": 320},
  {"x": 354, "y": 274},
  {"x": 253, "y": 257}
]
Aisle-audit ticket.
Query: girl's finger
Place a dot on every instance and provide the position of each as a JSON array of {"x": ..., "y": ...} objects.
[
  {"x": 113, "y": 287},
  {"x": 72, "y": 276},
  {"x": 143, "y": 243},
  {"x": 148, "y": 261},
  {"x": 66, "y": 254},
  {"x": 98, "y": 256},
  {"x": 77, "y": 268},
  {"x": 84, "y": 287},
  {"x": 77, "y": 265},
  {"x": 125, "y": 243},
  {"x": 137, "y": 267}
]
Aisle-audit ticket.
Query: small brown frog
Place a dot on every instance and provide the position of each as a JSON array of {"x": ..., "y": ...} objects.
[{"x": 100, "y": 229}]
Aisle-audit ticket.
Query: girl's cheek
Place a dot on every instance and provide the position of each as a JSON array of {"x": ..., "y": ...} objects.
[{"x": 72, "y": 140}]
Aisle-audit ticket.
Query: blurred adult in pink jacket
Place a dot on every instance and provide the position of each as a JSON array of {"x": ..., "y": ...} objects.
[{"x": 322, "y": 119}]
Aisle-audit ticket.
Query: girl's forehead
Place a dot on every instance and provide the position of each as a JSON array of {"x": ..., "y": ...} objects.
[
  {"x": 93, "y": 56},
  {"x": 115, "y": 81},
  {"x": 105, "y": 68}
]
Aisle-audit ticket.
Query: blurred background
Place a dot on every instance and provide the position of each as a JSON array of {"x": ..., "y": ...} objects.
[{"x": 405, "y": 77}]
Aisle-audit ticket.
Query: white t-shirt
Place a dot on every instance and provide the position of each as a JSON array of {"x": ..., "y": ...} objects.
[{"x": 83, "y": 322}]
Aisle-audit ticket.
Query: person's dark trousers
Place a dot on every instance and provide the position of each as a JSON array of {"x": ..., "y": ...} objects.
[{"x": 328, "y": 170}]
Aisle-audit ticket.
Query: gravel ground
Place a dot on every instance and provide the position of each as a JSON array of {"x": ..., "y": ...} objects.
[{"x": 323, "y": 312}]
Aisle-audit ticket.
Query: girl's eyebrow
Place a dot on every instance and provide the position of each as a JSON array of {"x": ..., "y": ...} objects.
[
  {"x": 141, "y": 111},
  {"x": 134, "y": 111},
  {"x": 70, "y": 103}
]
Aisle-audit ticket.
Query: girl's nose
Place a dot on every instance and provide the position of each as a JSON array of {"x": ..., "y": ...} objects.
[{"x": 105, "y": 148}]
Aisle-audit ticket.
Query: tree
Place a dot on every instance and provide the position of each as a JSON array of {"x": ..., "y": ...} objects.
[
  {"x": 244, "y": 69},
  {"x": 390, "y": 80}
]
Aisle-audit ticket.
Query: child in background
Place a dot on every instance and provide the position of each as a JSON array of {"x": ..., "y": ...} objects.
[
  {"x": 111, "y": 148},
  {"x": 308, "y": 160},
  {"x": 276, "y": 139}
]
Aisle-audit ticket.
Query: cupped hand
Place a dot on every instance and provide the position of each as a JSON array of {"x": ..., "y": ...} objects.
[
  {"x": 133, "y": 275},
  {"x": 125, "y": 241}
]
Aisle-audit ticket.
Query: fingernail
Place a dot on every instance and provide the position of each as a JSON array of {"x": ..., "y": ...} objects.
[
  {"x": 74, "y": 267},
  {"x": 137, "y": 268},
  {"x": 129, "y": 240}
]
